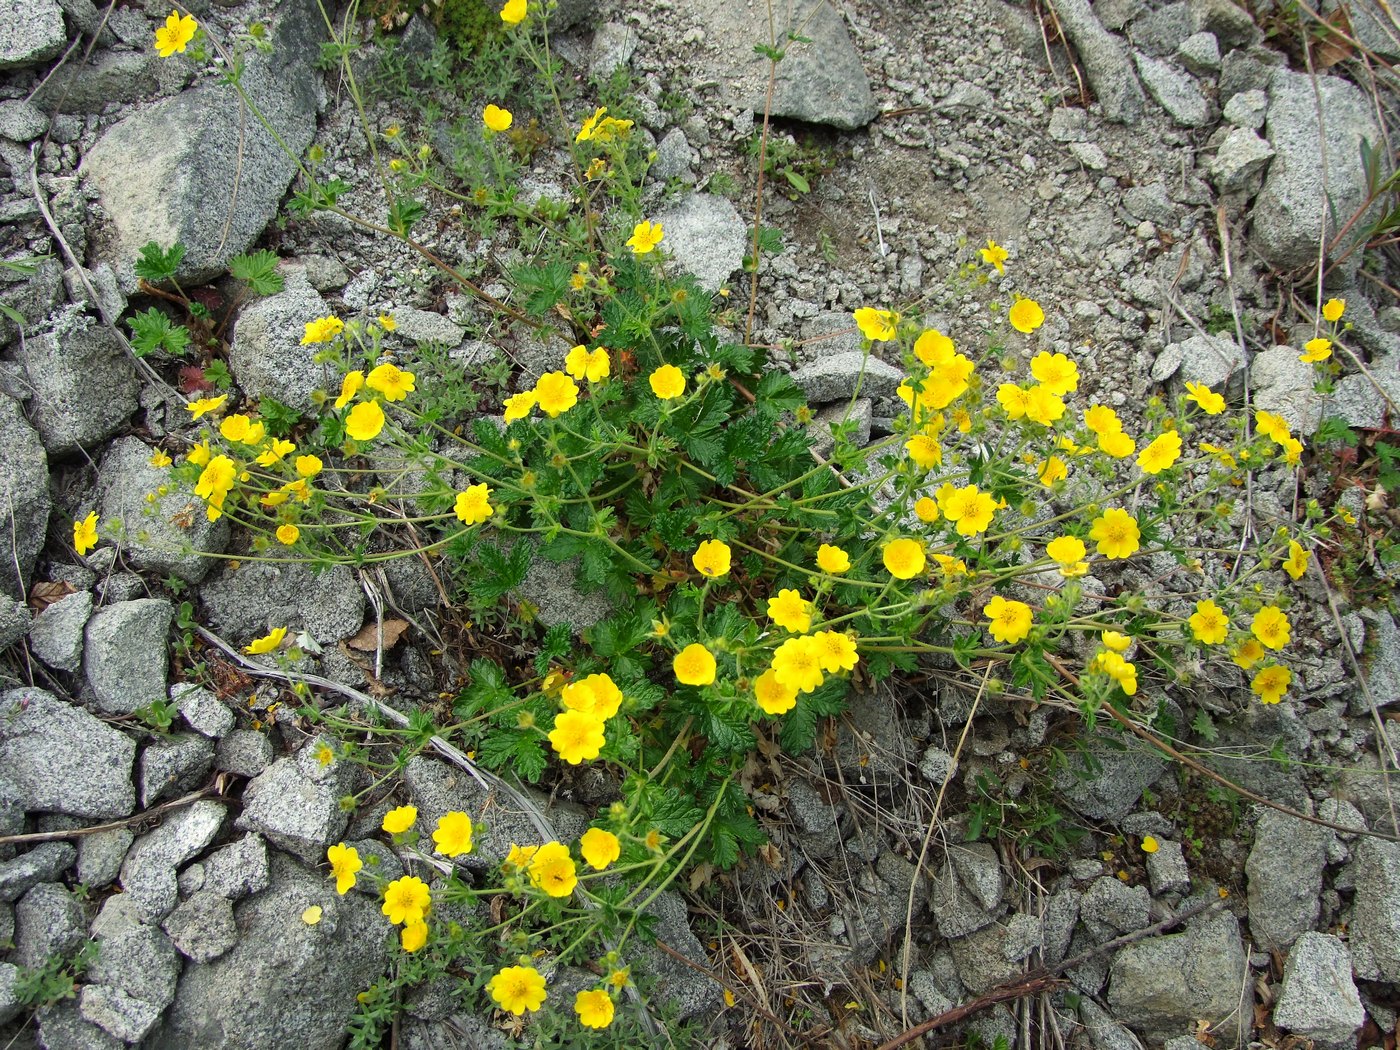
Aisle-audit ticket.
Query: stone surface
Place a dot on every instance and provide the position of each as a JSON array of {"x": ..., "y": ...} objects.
[
  {"x": 1226, "y": 20},
  {"x": 1319, "y": 998},
  {"x": 148, "y": 874},
  {"x": 24, "y": 497},
  {"x": 108, "y": 77},
  {"x": 48, "y": 921},
  {"x": 1358, "y": 401},
  {"x": 157, "y": 171},
  {"x": 304, "y": 979},
  {"x": 1238, "y": 160},
  {"x": 10, "y": 1003},
  {"x": 244, "y": 752},
  {"x": 1290, "y": 211},
  {"x": 1199, "y": 53},
  {"x": 705, "y": 236},
  {"x": 100, "y": 856},
  {"x": 1163, "y": 986},
  {"x": 1247, "y": 110},
  {"x": 62, "y": 1027},
  {"x": 1380, "y": 662},
  {"x": 31, "y": 31},
  {"x": 1114, "y": 905},
  {"x": 295, "y": 805},
  {"x": 44, "y": 863},
  {"x": 117, "y": 1013},
  {"x": 1375, "y": 924},
  {"x": 1110, "y": 789},
  {"x": 1284, "y": 870},
  {"x": 1212, "y": 360},
  {"x": 1174, "y": 90},
  {"x": 202, "y": 711},
  {"x": 136, "y": 968},
  {"x": 245, "y": 603},
  {"x": 63, "y": 760},
  {"x": 238, "y": 869},
  {"x": 125, "y": 654},
  {"x": 1105, "y": 62},
  {"x": 22, "y": 121},
  {"x": 14, "y": 621},
  {"x": 426, "y": 326},
  {"x": 56, "y": 636},
  {"x": 268, "y": 358},
  {"x": 174, "y": 765},
  {"x": 835, "y": 377},
  {"x": 84, "y": 386},
  {"x": 1166, "y": 869},
  {"x": 1282, "y": 384},
  {"x": 161, "y": 537},
  {"x": 693, "y": 992},
  {"x": 202, "y": 928}
]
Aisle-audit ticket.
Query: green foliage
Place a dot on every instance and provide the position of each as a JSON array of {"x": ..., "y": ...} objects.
[
  {"x": 155, "y": 264},
  {"x": 158, "y": 714},
  {"x": 259, "y": 270},
  {"x": 153, "y": 330},
  {"x": 54, "y": 980}
]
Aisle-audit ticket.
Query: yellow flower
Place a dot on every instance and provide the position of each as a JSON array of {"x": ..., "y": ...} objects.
[
  {"x": 590, "y": 125},
  {"x": 237, "y": 427},
  {"x": 1116, "y": 532},
  {"x": 994, "y": 255},
  {"x": 1116, "y": 641},
  {"x": 645, "y": 237},
  {"x": 1332, "y": 310},
  {"x": 176, "y": 34},
  {"x": 267, "y": 643},
  {"x": 517, "y": 989},
  {"x": 1010, "y": 621},
  {"x": 1068, "y": 552},
  {"x": 773, "y": 697},
  {"x": 349, "y": 387},
  {"x": 599, "y": 848},
  {"x": 1209, "y": 624},
  {"x": 950, "y": 566},
  {"x": 298, "y": 488},
  {"x": 924, "y": 450},
  {"x": 345, "y": 862},
  {"x": 387, "y": 322},
  {"x": 1160, "y": 453},
  {"x": 577, "y": 736},
  {"x": 581, "y": 363},
  {"x": 1056, "y": 372},
  {"x": 1014, "y": 400},
  {"x": 1211, "y": 403},
  {"x": 312, "y": 915},
  {"x": 159, "y": 458},
  {"x": 1101, "y": 420},
  {"x": 308, "y": 466},
  {"x": 518, "y": 406},
  {"x": 275, "y": 452},
  {"x": 1247, "y": 653},
  {"x": 694, "y": 665},
  {"x": 365, "y": 421},
  {"x": 879, "y": 326},
  {"x": 394, "y": 383},
  {"x": 497, "y": 119},
  {"x": 1117, "y": 444},
  {"x": 325, "y": 755},
  {"x": 1271, "y": 683},
  {"x": 1316, "y": 350},
  {"x": 473, "y": 505},
  {"x": 597, "y": 695},
  {"x": 790, "y": 611},
  {"x": 1120, "y": 670},
  {"x": 712, "y": 558},
  {"x": 519, "y": 856},
  {"x": 399, "y": 819},
  {"x": 85, "y": 533},
  {"x": 667, "y": 382},
  {"x": 413, "y": 936},
  {"x": 933, "y": 348},
  {"x": 1270, "y": 625},
  {"x": 556, "y": 393},
  {"x": 1292, "y": 450},
  {"x": 594, "y": 1008},
  {"x": 904, "y": 558},
  {"x": 552, "y": 869},
  {"x": 833, "y": 560},
  {"x": 926, "y": 509},
  {"x": 836, "y": 650},
  {"x": 512, "y": 15},
  {"x": 1271, "y": 425},
  {"x": 205, "y": 404},
  {"x": 1149, "y": 844},
  {"x": 1043, "y": 406},
  {"x": 797, "y": 664},
  {"x": 969, "y": 508},
  {"x": 288, "y": 534},
  {"x": 453, "y": 836},
  {"x": 406, "y": 900},
  {"x": 1053, "y": 470},
  {"x": 1297, "y": 562},
  {"x": 322, "y": 330},
  {"x": 1026, "y": 316}
]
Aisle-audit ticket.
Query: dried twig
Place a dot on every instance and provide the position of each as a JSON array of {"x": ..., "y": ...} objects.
[{"x": 135, "y": 818}]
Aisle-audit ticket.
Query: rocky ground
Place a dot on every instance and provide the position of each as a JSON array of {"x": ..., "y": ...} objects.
[{"x": 1113, "y": 171}]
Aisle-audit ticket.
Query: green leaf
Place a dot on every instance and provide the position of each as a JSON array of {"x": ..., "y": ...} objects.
[
  {"x": 280, "y": 419},
  {"x": 777, "y": 393},
  {"x": 1205, "y": 726},
  {"x": 622, "y": 633},
  {"x": 156, "y": 265},
  {"x": 259, "y": 269},
  {"x": 403, "y": 213},
  {"x": 542, "y": 286},
  {"x": 1335, "y": 428},
  {"x": 798, "y": 183},
  {"x": 486, "y": 692},
  {"x": 497, "y": 571},
  {"x": 557, "y": 641},
  {"x": 153, "y": 330},
  {"x": 518, "y": 750}
]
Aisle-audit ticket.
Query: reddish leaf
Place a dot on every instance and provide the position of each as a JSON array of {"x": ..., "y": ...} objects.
[
  {"x": 44, "y": 594},
  {"x": 192, "y": 380}
]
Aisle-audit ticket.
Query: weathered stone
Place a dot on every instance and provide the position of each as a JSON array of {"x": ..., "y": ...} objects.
[
  {"x": 295, "y": 805},
  {"x": 426, "y": 326},
  {"x": 148, "y": 874},
  {"x": 22, "y": 121},
  {"x": 137, "y": 967},
  {"x": 243, "y": 752},
  {"x": 705, "y": 237},
  {"x": 1319, "y": 999},
  {"x": 125, "y": 656},
  {"x": 44, "y": 863},
  {"x": 268, "y": 358},
  {"x": 1375, "y": 923},
  {"x": 1285, "y": 877},
  {"x": 1380, "y": 661},
  {"x": 108, "y": 77},
  {"x": 1164, "y": 985},
  {"x": 202, "y": 711},
  {"x": 1105, "y": 62},
  {"x": 1110, "y": 787},
  {"x": 173, "y": 765},
  {"x": 202, "y": 928},
  {"x": 10, "y": 1002},
  {"x": 837, "y": 376},
  {"x": 1116, "y": 906},
  {"x": 48, "y": 922},
  {"x": 62, "y": 1027},
  {"x": 1174, "y": 90},
  {"x": 1239, "y": 160},
  {"x": 56, "y": 636},
  {"x": 689, "y": 988},
  {"x": 84, "y": 386},
  {"x": 63, "y": 760},
  {"x": 1227, "y": 21},
  {"x": 1282, "y": 384},
  {"x": 100, "y": 856},
  {"x": 24, "y": 495},
  {"x": 1167, "y": 870},
  {"x": 31, "y": 31},
  {"x": 238, "y": 869},
  {"x": 117, "y": 1013},
  {"x": 1210, "y": 360},
  {"x": 244, "y": 603},
  {"x": 1247, "y": 110},
  {"x": 1199, "y": 53}
]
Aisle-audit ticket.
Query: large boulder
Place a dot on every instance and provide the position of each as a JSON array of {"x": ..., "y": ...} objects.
[
  {"x": 268, "y": 358},
  {"x": 61, "y": 759},
  {"x": 125, "y": 656},
  {"x": 24, "y": 497}
]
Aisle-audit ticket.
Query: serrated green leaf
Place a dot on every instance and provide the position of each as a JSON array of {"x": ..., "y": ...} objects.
[
  {"x": 155, "y": 264},
  {"x": 557, "y": 641},
  {"x": 259, "y": 269},
  {"x": 152, "y": 330}
]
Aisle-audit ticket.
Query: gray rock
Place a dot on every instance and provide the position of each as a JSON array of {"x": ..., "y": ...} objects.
[
  {"x": 1151, "y": 202},
  {"x": 1105, "y": 62},
  {"x": 1375, "y": 924},
  {"x": 24, "y": 493},
  {"x": 1120, "y": 907},
  {"x": 268, "y": 359},
  {"x": 1174, "y": 90},
  {"x": 1167, "y": 870},
  {"x": 1104, "y": 1032},
  {"x": 979, "y": 870},
  {"x": 31, "y": 31},
  {"x": 1089, "y": 154},
  {"x": 100, "y": 856},
  {"x": 613, "y": 44},
  {"x": 1281, "y": 383},
  {"x": 161, "y": 537},
  {"x": 1319, "y": 1000},
  {"x": 1289, "y": 214},
  {"x": 936, "y": 765},
  {"x": 324, "y": 272},
  {"x": 690, "y": 989},
  {"x": 295, "y": 805},
  {"x": 238, "y": 869},
  {"x": 84, "y": 386},
  {"x": 1230, "y": 23},
  {"x": 173, "y": 765},
  {"x": 14, "y": 621},
  {"x": 1109, "y": 789},
  {"x": 110, "y": 76},
  {"x": 44, "y": 863},
  {"x": 56, "y": 636},
  {"x": 836, "y": 377},
  {"x": 62, "y": 759},
  {"x": 246, "y": 602},
  {"x": 244, "y": 752},
  {"x": 202, "y": 928},
  {"x": 1247, "y": 109},
  {"x": 157, "y": 170},
  {"x": 956, "y": 911},
  {"x": 148, "y": 874},
  {"x": 304, "y": 979},
  {"x": 1239, "y": 160},
  {"x": 674, "y": 158},
  {"x": 49, "y": 922},
  {"x": 10, "y": 1003},
  {"x": 1069, "y": 125},
  {"x": 117, "y": 1013},
  {"x": 1364, "y": 401},
  {"x": 981, "y": 959},
  {"x": 1163, "y": 986},
  {"x": 137, "y": 967},
  {"x": 821, "y": 82},
  {"x": 33, "y": 297},
  {"x": 124, "y": 654},
  {"x": 1381, "y": 661},
  {"x": 1209, "y": 359},
  {"x": 1160, "y": 32},
  {"x": 1371, "y": 23},
  {"x": 1200, "y": 54},
  {"x": 62, "y": 1027},
  {"x": 705, "y": 236},
  {"x": 557, "y": 598},
  {"x": 1285, "y": 877},
  {"x": 426, "y": 326},
  {"x": 22, "y": 121},
  {"x": 202, "y": 711}
]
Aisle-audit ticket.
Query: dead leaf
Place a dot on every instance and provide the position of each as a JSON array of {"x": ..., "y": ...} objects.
[
  {"x": 44, "y": 593},
  {"x": 1377, "y": 499},
  {"x": 367, "y": 641},
  {"x": 701, "y": 875},
  {"x": 1334, "y": 46},
  {"x": 771, "y": 855}
]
